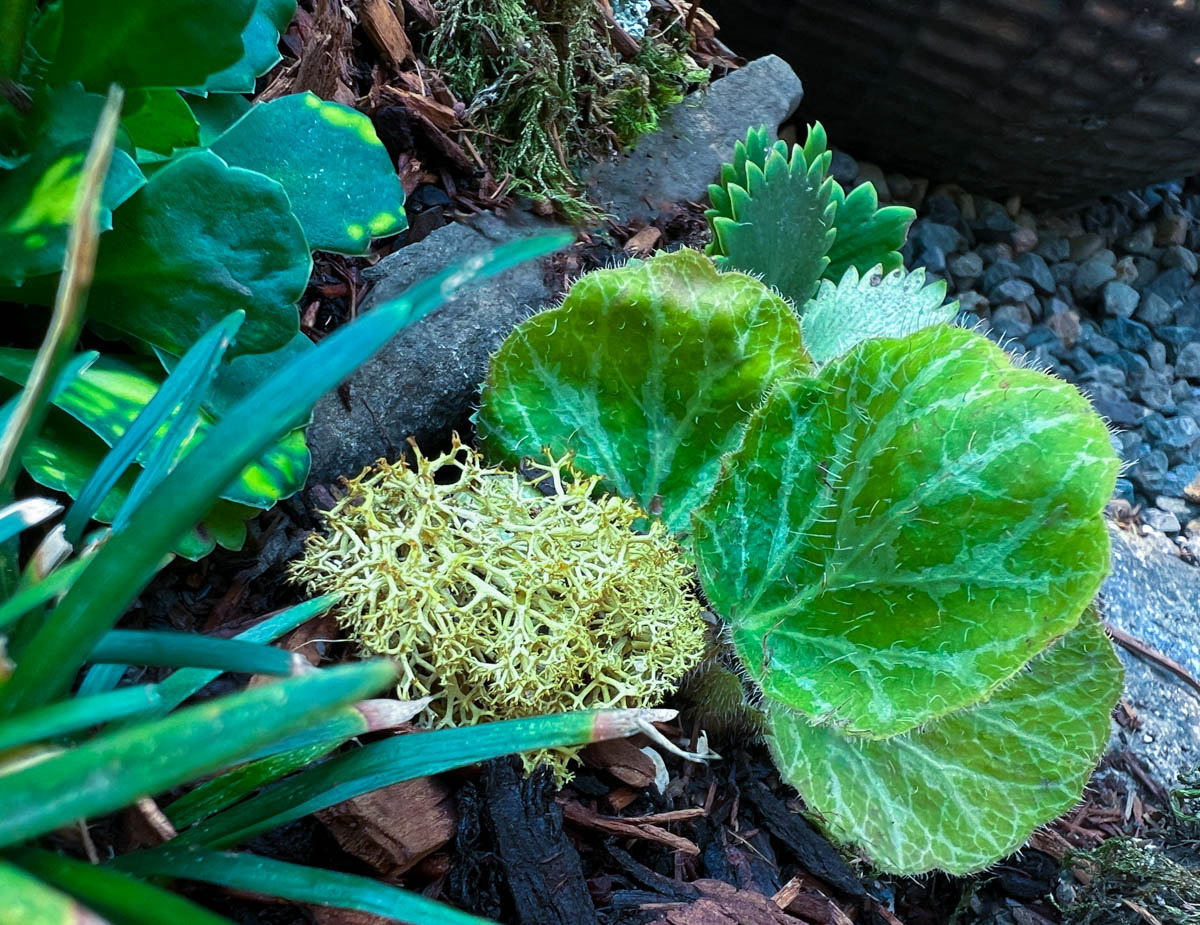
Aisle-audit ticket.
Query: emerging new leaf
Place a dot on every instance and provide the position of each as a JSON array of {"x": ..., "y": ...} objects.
[
  {"x": 875, "y": 306},
  {"x": 867, "y": 235},
  {"x": 647, "y": 373},
  {"x": 970, "y": 787},
  {"x": 899, "y": 535}
]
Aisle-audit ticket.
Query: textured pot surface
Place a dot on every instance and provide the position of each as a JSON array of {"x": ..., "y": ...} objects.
[{"x": 1057, "y": 100}]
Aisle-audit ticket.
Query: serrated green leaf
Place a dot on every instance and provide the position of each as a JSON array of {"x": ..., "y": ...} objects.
[
  {"x": 110, "y": 394},
  {"x": 38, "y": 196},
  {"x": 166, "y": 43},
  {"x": 337, "y": 173},
  {"x": 159, "y": 120},
  {"x": 198, "y": 241},
  {"x": 260, "y": 39},
  {"x": 876, "y": 305},
  {"x": 971, "y": 787},
  {"x": 647, "y": 373},
  {"x": 781, "y": 223},
  {"x": 866, "y": 235},
  {"x": 898, "y": 535}
]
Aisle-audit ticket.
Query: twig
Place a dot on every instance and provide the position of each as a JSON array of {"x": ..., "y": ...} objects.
[{"x": 1137, "y": 647}]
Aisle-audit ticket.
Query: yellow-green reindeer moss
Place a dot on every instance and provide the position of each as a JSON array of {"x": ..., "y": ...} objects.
[{"x": 507, "y": 595}]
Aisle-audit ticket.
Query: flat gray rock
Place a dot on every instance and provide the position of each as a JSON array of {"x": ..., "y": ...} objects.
[
  {"x": 1155, "y": 597},
  {"x": 694, "y": 139},
  {"x": 425, "y": 382}
]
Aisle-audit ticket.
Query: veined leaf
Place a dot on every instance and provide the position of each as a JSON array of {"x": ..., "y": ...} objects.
[
  {"x": 127, "y": 900},
  {"x": 866, "y": 236},
  {"x": 260, "y": 40},
  {"x": 780, "y": 225},
  {"x": 874, "y": 306},
  {"x": 198, "y": 241},
  {"x": 167, "y": 43},
  {"x": 900, "y": 534},
  {"x": 971, "y": 787},
  {"x": 115, "y": 769},
  {"x": 647, "y": 373},
  {"x": 293, "y": 140},
  {"x": 299, "y": 884}
]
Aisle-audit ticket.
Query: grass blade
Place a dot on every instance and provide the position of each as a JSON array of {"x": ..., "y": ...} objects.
[
  {"x": 75, "y": 714},
  {"x": 28, "y": 901},
  {"x": 27, "y": 512},
  {"x": 181, "y": 685},
  {"x": 184, "y": 389},
  {"x": 67, "y": 318},
  {"x": 299, "y": 884},
  {"x": 119, "y": 896},
  {"x": 30, "y": 596},
  {"x": 113, "y": 770},
  {"x": 381, "y": 764},
  {"x": 158, "y": 647},
  {"x": 129, "y": 559},
  {"x": 282, "y": 758}
]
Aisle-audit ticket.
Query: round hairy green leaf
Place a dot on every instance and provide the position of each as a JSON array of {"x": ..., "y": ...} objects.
[
  {"x": 108, "y": 395},
  {"x": 198, "y": 241},
  {"x": 900, "y": 534},
  {"x": 647, "y": 372},
  {"x": 260, "y": 40},
  {"x": 874, "y": 306},
  {"x": 971, "y": 787},
  {"x": 164, "y": 43},
  {"x": 65, "y": 455},
  {"x": 336, "y": 171}
]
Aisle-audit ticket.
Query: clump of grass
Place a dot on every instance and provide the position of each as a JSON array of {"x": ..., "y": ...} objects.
[{"x": 547, "y": 91}]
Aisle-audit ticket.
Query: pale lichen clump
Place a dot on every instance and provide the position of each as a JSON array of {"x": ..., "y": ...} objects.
[{"x": 507, "y": 595}]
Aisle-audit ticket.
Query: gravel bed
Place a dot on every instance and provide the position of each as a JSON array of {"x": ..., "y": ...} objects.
[{"x": 1105, "y": 296}]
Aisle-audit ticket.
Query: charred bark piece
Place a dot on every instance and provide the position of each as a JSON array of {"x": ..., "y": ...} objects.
[
  {"x": 810, "y": 849},
  {"x": 542, "y": 869}
]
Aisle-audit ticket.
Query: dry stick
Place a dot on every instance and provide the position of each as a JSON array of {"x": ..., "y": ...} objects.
[{"x": 1137, "y": 647}]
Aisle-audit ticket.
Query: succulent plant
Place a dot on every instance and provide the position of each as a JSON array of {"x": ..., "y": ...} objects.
[{"x": 504, "y": 594}]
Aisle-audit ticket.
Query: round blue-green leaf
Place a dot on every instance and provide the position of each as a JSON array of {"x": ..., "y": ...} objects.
[
  {"x": 336, "y": 171},
  {"x": 160, "y": 121},
  {"x": 107, "y": 397},
  {"x": 65, "y": 455},
  {"x": 647, "y": 373},
  {"x": 260, "y": 39},
  {"x": 163, "y": 43},
  {"x": 971, "y": 787},
  {"x": 900, "y": 534},
  {"x": 198, "y": 241},
  {"x": 216, "y": 112}
]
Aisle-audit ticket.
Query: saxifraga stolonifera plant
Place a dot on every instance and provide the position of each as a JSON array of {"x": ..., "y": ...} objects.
[{"x": 901, "y": 528}]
